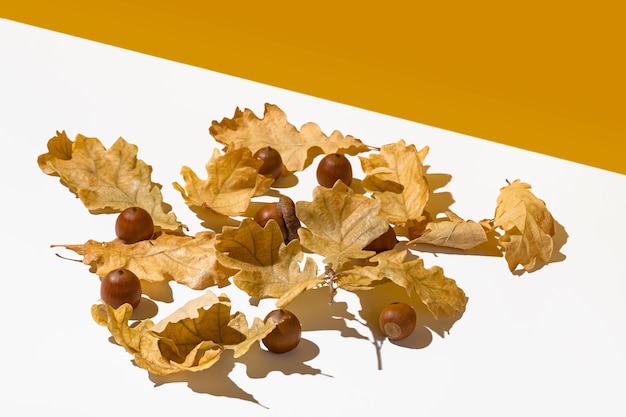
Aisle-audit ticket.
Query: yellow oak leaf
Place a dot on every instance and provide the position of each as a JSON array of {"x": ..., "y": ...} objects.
[
  {"x": 339, "y": 223},
  {"x": 267, "y": 267},
  {"x": 188, "y": 260},
  {"x": 452, "y": 232},
  {"x": 435, "y": 290},
  {"x": 527, "y": 224},
  {"x": 396, "y": 176},
  {"x": 232, "y": 180},
  {"x": 296, "y": 148},
  {"x": 106, "y": 180},
  {"x": 191, "y": 339}
]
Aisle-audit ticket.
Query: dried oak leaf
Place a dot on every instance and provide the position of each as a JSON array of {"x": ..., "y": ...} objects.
[
  {"x": 267, "y": 267},
  {"x": 339, "y": 223},
  {"x": 396, "y": 176},
  {"x": 191, "y": 339},
  {"x": 106, "y": 179},
  {"x": 188, "y": 260},
  {"x": 296, "y": 148},
  {"x": 232, "y": 180},
  {"x": 453, "y": 232},
  {"x": 435, "y": 290},
  {"x": 527, "y": 224}
]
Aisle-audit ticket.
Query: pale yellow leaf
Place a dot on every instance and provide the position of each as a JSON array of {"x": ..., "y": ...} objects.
[
  {"x": 527, "y": 224},
  {"x": 452, "y": 232},
  {"x": 106, "y": 180},
  {"x": 267, "y": 267},
  {"x": 296, "y": 147},
  {"x": 233, "y": 179},
  {"x": 339, "y": 223},
  {"x": 188, "y": 260},
  {"x": 183, "y": 343},
  {"x": 396, "y": 177}
]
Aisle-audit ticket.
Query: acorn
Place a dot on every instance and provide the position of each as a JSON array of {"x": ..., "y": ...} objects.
[
  {"x": 272, "y": 162},
  {"x": 286, "y": 335},
  {"x": 333, "y": 167},
  {"x": 384, "y": 242},
  {"x": 120, "y": 286},
  {"x": 397, "y": 320},
  {"x": 284, "y": 213},
  {"x": 134, "y": 224}
]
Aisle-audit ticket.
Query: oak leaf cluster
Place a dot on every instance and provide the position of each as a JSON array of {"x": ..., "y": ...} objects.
[{"x": 338, "y": 223}]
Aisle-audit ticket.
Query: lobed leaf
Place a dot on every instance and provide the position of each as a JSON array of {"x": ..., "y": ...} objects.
[
  {"x": 183, "y": 342},
  {"x": 528, "y": 226},
  {"x": 339, "y": 224},
  {"x": 396, "y": 177},
  {"x": 232, "y": 180},
  {"x": 296, "y": 148},
  {"x": 188, "y": 260},
  {"x": 437, "y": 292},
  {"x": 452, "y": 232},
  {"x": 267, "y": 267},
  {"x": 106, "y": 179}
]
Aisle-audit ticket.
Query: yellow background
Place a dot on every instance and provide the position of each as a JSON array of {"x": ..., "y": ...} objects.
[{"x": 543, "y": 76}]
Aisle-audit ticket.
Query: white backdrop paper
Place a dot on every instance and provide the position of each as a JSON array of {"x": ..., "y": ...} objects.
[{"x": 548, "y": 343}]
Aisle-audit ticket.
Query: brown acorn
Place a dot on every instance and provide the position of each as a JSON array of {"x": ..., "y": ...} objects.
[
  {"x": 120, "y": 286},
  {"x": 284, "y": 213},
  {"x": 397, "y": 320},
  {"x": 272, "y": 162},
  {"x": 134, "y": 224},
  {"x": 333, "y": 167},
  {"x": 287, "y": 333}
]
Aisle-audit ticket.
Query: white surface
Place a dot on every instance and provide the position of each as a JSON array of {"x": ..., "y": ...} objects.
[{"x": 548, "y": 343}]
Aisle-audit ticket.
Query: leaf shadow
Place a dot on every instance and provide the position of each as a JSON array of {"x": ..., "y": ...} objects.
[
  {"x": 288, "y": 180},
  {"x": 212, "y": 220},
  {"x": 214, "y": 381},
  {"x": 316, "y": 312},
  {"x": 375, "y": 299},
  {"x": 438, "y": 202}
]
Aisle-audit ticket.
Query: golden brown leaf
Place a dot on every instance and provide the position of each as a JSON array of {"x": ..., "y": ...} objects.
[
  {"x": 267, "y": 267},
  {"x": 233, "y": 179},
  {"x": 59, "y": 148},
  {"x": 452, "y": 232},
  {"x": 528, "y": 226},
  {"x": 434, "y": 289},
  {"x": 180, "y": 342},
  {"x": 339, "y": 223},
  {"x": 106, "y": 180},
  {"x": 396, "y": 176},
  {"x": 296, "y": 148},
  {"x": 188, "y": 260}
]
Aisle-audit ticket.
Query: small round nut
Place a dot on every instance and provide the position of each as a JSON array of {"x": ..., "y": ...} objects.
[{"x": 284, "y": 213}]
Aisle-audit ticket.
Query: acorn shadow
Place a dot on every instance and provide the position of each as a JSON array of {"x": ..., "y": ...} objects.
[
  {"x": 260, "y": 362},
  {"x": 375, "y": 299}
]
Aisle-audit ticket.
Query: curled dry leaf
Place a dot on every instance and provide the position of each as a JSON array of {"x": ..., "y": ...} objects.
[
  {"x": 453, "y": 232},
  {"x": 528, "y": 226},
  {"x": 233, "y": 179},
  {"x": 339, "y": 223},
  {"x": 191, "y": 339},
  {"x": 296, "y": 148},
  {"x": 396, "y": 176},
  {"x": 188, "y": 260},
  {"x": 267, "y": 267},
  {"x": 106, "y": 180}
]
